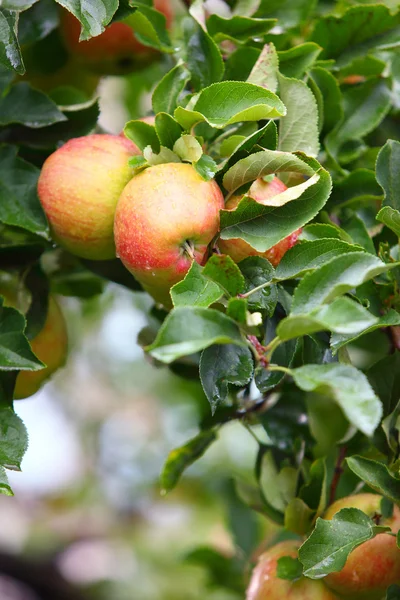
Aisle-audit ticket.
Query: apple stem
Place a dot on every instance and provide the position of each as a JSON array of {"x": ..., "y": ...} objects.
[{"x": 188, "y": 248}]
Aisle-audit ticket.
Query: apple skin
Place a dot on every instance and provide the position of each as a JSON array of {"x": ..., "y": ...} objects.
[
  {"x": 375, "y": 565},
  {"x": 238, "y": 249},
  {"x": 266, "y": 585},
  {"x": 79, "y": 187},
  {"x": 50, "y": 345},
  {"x": 115, "y": 51},
  {"x": 159, "y": 210}
]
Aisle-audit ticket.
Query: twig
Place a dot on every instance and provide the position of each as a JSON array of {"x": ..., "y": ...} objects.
[{"x": 337, "y": 473}]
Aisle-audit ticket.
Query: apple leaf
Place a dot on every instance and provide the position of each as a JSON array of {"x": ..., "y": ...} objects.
[
  {"x": 341, "y": 316},
  {"x": 298, "y": 517},
  {"x": 15, "y": 351},
  {"x": 181, "y": 458},
  {"x": 190, "y": 329},
  {"x": 278, "y": 485},
  {"x": 377, "y": 476},
  {"x": 166, "y": 94},
  {"x": 393, "y": 592},
  {"x": 203, "y": 59},
  {"x": 265, "y": 70},
  {"x": 238, "y": 28},
  {"x": 221, "y": 365},
  {"x": 142, "y": 134},
  {"x": 331, "y": 111},
  {"x": 388, "y": 177},
  {"x": 229, "y": 102},
  {"x": 289, "y": 568},
  {"x": 296, "y": 61},
  {"x": 237, "y": 309},
  {"x": 257, "y": 271},
  {"x": 93, "y": 21},
  {"x": 24, "y": 105},
  {"x": 391, "y": 218},
  {"x": 329, "y": 545},
  {"x": 224, "y": 271},
  {"x": 10, "y": 52},
  {"x": 390, "y": 319},
  {"x": 149, "y": 26},
  {"x": 336, "y": 278},
  {"x": 13, "y": 439},
  {"x": 5, "y": 487},
  {"x": 298, "y": 129},
  {"x": 195, "y": 289},
  {"x": 206, "y": 167},
  {"x": 19, "y": 203},
  {"x": 168, "y": 130},
  {"x": 310, "y": 255},
  {"x": 348, "y": 387}
]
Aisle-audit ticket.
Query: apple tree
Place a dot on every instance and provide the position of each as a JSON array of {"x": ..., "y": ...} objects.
[{"x": 257, "y": 201}]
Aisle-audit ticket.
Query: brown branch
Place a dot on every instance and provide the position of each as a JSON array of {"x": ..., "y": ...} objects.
[{"x": 337, "y": 473}]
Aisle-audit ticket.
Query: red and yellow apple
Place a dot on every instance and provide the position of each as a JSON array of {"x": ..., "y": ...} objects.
[
  {"x": 266, "y": 585},
  {"x": 375, "y": 565},
  {"x": 166, "y": 216},
  {"x": 116, "y": 50},
  {"x": 50, "y": 345},
  {"x": 79, "y": 188},
  {"x": 261, "y": 191}
]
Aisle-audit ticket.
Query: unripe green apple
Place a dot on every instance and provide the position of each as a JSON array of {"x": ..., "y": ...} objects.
[
  {"x": 375, "y": 565},
  {"x": 79, "y": 187},
  {"x": 166, "y": 216},
  {"x": 238, "y": 249},
  {"x": 266, "y": 585},
  {"x": 116, "y": 50},
  {"x": 50, "y": 346}
]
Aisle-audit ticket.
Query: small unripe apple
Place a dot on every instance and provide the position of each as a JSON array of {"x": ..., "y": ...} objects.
[
  {"x": 266, "y": 585},
  {"x": 79, "y": 187},
  {"x": 116, "y": 50},
  {"x": 50, "y": 345},
  {"x": 375, "y": 565},
  {"x": 166, "y": 216},
  {"x": 238, "y": 249}
]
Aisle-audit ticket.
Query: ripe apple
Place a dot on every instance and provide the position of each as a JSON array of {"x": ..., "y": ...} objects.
[
  {"x": 166, "y": 216},
  {"x": 375, "y": 565},
  {"x": 50, "y": 346},
  {"x": 266, "y": 585},
  {"x": 116, "y": 50},
  {"x": 79, "y": 187},
  {"x": 238, "y": 249}
]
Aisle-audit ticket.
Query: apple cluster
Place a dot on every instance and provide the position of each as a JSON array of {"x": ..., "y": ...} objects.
[
  {"x": 156, "y": 221},
  {"x": 369, "y": 570}
]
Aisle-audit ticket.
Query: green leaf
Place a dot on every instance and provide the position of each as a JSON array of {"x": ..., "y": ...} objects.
[
  {"x": 240, "y": 63},
  {"x": 319, "y": 231},
  {"x": 190, "y": 329},
  {"x": 329, "y": 545},
  {"x": 181, "y": 458},
  {"x": 15, "y": 351},
  {"x": 298, "y": 517},
  {"x": 266, "y": 137},
  {"x": 310, "y": 255},
  {"x": 348, "y": 387},
  {"x": 168, "y": 130},
  {"x": 93, "y": 19},
  {"x": 391, "y": 218},
  {"x": 358, "y": 232},
  {"x": 342, "y": 316},
  {"x": 390, "y": 319},
  {"x": 388, "y": 174},
  {"x": 278, "y": 485},
  {"x": 29, "y": 107},
  {"x": 238, "y": 28},
  {"x": 296, "y": 61},
  {"x": 229, "y": 102},
  {"x": 393, "y": 592},
  {"x": 289, "y": 568},
  {"x": 288, "y": 12},
  {"x": 5, "y": 488},
  {"x": 164, "y": 156},
  {"x": 257, "y": 271},
  {"x": 206, "y": 167},
  {"x": 377, "y": 476},
  {"x": 13, "y": 439},
  {"x": 360, "y": 28},
  {"x": 19, "y": 203},
  {"x": 336, "y": 278},
  {"x": 142, "y": 134},
  {"x": 298, "y": 129},
  {"x": 264, "y": 226},
  {"x": 264, "y": 163},
  {"x": 224, "y": 271},
  {"x": 203, "y": 57},
  {"x": 166, "y": 94},
  {"x": 364, "y": 108},
  {"x": 195, "y": 289},
  {"x": 331, "y": 97},
  {"x": 149, "y": 26},
  {"x": 237, "y": 309},
  {"x": 10, "y": 52},
  {"x": 221, "y": 365},
  {"x": 188, "y": 148},
  {"x": 265, "y": 70}
]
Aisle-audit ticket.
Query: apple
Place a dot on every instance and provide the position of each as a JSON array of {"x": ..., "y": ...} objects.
[
  {"x": 50, "y": 345},
  {"x": 266, "y": 585},
  {"x": 238, "y": 249},
  {"x": 166, "y": 217},
  {"x": 79, "y": 187},
  {"x": 375, "y": 565},
  {"x": 116, "y": 50}
]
